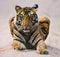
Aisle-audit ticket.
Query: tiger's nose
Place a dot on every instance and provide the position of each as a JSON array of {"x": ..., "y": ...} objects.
[{"x": 27, "y": 27}]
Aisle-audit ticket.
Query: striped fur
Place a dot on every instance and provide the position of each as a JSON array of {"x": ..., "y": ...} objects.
[{"x": 27, "y": 31}]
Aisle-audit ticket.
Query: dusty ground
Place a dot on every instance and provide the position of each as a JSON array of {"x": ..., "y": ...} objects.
[{"x": 48, "y": 8}]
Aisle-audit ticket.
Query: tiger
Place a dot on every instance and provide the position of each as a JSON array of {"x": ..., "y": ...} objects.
[{"x": 27, "y": 31}]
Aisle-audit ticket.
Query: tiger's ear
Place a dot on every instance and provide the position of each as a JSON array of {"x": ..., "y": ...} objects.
[
  {"x": 35, "y": 6},
  {"x": 17, "y": 8}
]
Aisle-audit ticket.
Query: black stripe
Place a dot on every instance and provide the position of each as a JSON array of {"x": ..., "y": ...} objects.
[
  {"x": 37, "y": 42},
  {"x": 34, "y": 38},
  {"x": 19, "y": 40},
  {"x": 17, "y": 31},
  {"x": 15, "y": 28},
  {"x": 18, "y": 36},
  {"x": 44, "y": 22}
]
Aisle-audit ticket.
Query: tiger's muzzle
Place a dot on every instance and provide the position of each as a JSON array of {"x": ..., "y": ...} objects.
[{"x": 26, "y": 29}]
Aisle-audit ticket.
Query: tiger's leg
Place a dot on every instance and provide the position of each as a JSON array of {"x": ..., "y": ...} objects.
[
  {"x": 41, "y": 47},
  {"x": 16, "y": 41},
  {"x": 18, "y": 45},
  {"x": 44, "y": 24},
  {"x": 37, "y": 41}
]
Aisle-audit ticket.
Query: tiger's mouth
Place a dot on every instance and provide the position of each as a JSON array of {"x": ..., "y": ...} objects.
[{"x": 26, "y": 31}]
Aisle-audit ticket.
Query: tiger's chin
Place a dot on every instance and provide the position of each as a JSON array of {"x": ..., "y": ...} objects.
[{"x": 27, "y": 32}]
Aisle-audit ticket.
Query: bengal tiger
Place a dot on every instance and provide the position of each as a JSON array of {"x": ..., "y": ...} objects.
[{"x": 27, "y": 31}]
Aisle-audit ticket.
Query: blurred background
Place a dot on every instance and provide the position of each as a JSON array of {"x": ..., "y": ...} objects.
[{"x": 47, "y": 8}]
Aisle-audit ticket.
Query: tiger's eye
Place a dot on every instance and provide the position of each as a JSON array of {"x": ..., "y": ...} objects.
[
  {"x": 30, "y": 13},
  {"x": 21, "y": 15}
]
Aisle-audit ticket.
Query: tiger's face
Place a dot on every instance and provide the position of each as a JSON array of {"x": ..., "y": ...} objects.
[{"x": 26, "y": 17}]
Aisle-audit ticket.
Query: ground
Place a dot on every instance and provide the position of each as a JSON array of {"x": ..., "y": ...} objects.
[{"x": 50, "y": 9}]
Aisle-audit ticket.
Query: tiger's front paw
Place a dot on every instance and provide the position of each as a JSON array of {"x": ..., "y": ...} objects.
[
  {"x": 18, "y": 45},
  {"x": 42, "y": 51}
]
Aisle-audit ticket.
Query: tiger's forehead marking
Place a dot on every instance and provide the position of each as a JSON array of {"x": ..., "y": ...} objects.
[
  {"x": 29, "y": 9},
  {"x": 26, "y": 9}
]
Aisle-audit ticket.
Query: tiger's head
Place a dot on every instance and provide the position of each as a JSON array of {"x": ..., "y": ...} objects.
[{"x": 26, "y": 17}]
